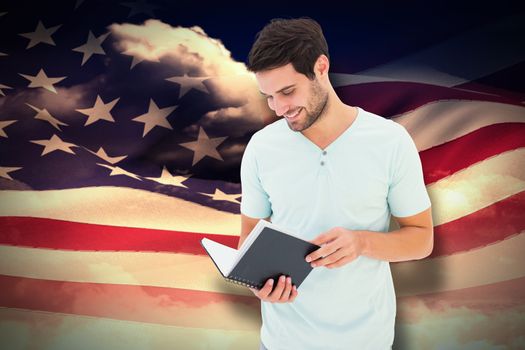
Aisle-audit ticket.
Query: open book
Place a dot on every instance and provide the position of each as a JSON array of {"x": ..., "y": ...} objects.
[{"x": 267, "y": 252}]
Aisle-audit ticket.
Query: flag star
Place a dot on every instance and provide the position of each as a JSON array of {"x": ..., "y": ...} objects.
[
  {"x": 103, "y": 155},
  {"x": 54, "y": 144},
  {"x": 40, "y": 35},
  {"x": 140, "y": 6},
  {"x": 2, "y": 86},
  {"x": 100, "y": 111},
  {"x": 91, "y": 47},
  {"x": 137, "y": 58},
  {"x": 4, "y": 172},
  {"x": 4, "y": 124},
  {"x": 43, "y": 81},
  {"x": 204, "y": 146},
  {"x": 167, "y": 179},
  {"x": 221, "y": 196},
  {"x": 115, "y": 170},
  {"x": 44, "y": 115},
  {"x": 187, "y": 83},
  {"x": 155, "y": 117}
]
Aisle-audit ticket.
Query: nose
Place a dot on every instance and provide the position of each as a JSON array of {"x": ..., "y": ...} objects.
[{"x": 279, "y": 105}]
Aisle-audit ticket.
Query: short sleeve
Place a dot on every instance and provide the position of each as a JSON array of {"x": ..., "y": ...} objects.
[
  {"x": 254, "y": 201},
  {"x": 407, "y": 194}
]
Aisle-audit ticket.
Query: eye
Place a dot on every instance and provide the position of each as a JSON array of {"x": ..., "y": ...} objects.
[{"x": 288, "y": 92}]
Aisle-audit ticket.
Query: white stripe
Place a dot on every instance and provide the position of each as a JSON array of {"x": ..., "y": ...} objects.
[
  {"x": 449, "y": 322},
  {"x": 23, "y": 329},
  {"x": 171, "y": 270},
  {"x": 478, "y": 186},
  {"x": 117, "y": 206},
  {"x": 455, "y": 196},
  {"x": 498, "y": 262},
  {"x": 438, "y": 122}
]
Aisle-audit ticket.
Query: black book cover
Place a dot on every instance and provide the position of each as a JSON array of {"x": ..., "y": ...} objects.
[{"x": 271, "y": 255}]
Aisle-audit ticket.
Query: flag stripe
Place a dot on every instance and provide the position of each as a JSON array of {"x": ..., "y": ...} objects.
[
  {"x": 443, "y": 121},
  {"x": 30, "y": 329},
  {"x": 402, "y": 97},
  {"x": 483, "y": 227},
  {"x": 183, "y": 271},
  {"x": 118, "y": 206},
  {"x": 477, "y": 186},
  {"x": 483, "y": 298},
  {"x": 59, "y": 234},
  {"x": 494, "y": 263},
  {"x": 170, "y": 306},
  {"x": 444, "y": 160},
  {"x": 191, "y": 272},
  {"x": 180, "y": 308},
  {"x": 468, "y": 232}
]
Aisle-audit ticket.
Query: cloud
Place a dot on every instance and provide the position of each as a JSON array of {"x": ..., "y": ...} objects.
[
  {"x": 190, "y": 48},
  {"x": 191, "y": 51}
]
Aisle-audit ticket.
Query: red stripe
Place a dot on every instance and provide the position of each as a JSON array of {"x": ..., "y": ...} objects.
[
  {"x": 446, "y": 159},
  {"x": 186, "y": 308},
  {"x": 486, "y": 298},
  {"x": 485, "y": 226},
  {"x": 391, "y": 98},
  {"x": 59, "y": 234},
  {"x": 170, "y": 306}
]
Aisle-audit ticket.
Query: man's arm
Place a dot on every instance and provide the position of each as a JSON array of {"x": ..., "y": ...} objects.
[
  {"x": 413, "y": 240},
  {"x": 247, "y": 225}
]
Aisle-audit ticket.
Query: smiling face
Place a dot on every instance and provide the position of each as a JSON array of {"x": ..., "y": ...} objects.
[{"x": 292, "y": 95}]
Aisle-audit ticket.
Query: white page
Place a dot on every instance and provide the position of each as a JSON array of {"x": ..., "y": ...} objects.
[{"x": 224, "y": 256}]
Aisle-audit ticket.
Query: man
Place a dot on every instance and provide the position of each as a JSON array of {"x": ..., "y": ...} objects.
[{"x": 333, "y": 174}]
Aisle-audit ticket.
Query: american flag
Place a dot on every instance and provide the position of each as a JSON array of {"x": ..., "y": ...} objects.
[{"x": 122, "y": 126}]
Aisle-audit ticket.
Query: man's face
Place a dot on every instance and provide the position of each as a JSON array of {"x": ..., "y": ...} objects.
[{"x": 292, "y": 95}]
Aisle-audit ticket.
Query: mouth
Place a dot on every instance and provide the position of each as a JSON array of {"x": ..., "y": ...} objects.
[{"x": 292, "y": 116}]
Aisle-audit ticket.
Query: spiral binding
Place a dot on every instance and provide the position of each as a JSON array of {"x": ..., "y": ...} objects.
[{"x": 243, "y": 282}]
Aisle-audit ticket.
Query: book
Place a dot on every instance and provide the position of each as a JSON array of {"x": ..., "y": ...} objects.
[{"x": 268, "y": 252}]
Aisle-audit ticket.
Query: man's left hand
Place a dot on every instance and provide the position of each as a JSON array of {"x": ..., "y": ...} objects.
[{"x": 339, "y": 246}]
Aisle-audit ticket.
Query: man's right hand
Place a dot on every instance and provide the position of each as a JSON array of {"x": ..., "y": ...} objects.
[{"x": 284, "y": 292}]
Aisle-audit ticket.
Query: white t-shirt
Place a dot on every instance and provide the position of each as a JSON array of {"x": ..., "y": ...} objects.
[{"x": 371, "y": 170}]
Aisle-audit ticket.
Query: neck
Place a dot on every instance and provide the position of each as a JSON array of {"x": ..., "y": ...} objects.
[{"x": 336, "y": 118}]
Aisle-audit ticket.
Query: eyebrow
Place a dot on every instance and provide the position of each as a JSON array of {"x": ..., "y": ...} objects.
[{"x": 281, "y": 90}]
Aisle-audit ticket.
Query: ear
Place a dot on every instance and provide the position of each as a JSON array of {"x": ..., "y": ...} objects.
[{"x": 322, "y": 65}]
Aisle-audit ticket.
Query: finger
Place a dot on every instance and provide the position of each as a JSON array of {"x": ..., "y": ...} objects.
[
  {"x": 266, "y": 290},
  {"x": 330, "y": 259},
  {"x": 278, "y": 290},
  {"x": 341, "y": 262},
  {"x": 321, "y": 252},
  {"x": 287, "y": 290},
  {"x": 294, "y": 293},
  {"x": 324, "y": 237}
]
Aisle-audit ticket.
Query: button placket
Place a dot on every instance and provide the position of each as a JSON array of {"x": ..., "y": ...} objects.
[{"x": 323, "y": 160}]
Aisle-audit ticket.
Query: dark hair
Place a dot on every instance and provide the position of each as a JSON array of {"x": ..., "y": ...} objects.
[{"x": 298, "y": 41}]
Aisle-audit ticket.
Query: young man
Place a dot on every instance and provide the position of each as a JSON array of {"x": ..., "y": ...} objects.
[{"x": 334, "y": 174}]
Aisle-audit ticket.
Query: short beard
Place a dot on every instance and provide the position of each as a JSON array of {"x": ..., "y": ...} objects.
[{"x": 315, "y": 109}]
